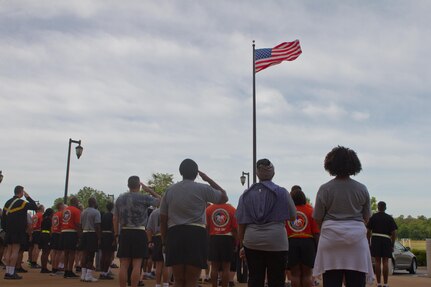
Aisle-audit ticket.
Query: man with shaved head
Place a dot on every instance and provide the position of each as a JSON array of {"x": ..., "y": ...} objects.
[{"x": 90, "y": 239}]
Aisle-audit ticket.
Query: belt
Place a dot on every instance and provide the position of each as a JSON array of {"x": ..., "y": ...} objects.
[
  {"x": 69, "y": 230},
  {"x": 381, "y": 235},
  {"x": 106, "y": 231},
  {"x": 197, "y": 224},
  {"x": 134, "y": 227},
  {"x": 225, "y": 234},
  {"x": 45, "y": 231},
  {"x": 88, "y": 230}
]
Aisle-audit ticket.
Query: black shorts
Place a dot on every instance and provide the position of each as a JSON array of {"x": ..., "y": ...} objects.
[
  {"x": 55, "y": 243},
  {"x": 107, "y": 242},
  {"x": 187, "y": 245},
  {"x": 89, "y": 242},
  {"x": 381, "y": 247},
  {"x": 44, "y": 241},
  {"x": 69, "y": 240},
  {"x": 221, "y": 248},
  {"x": 157, "y": 252},
  {"x": 301, "y": 251},
  {"x": 16, "y": 237},
  {"x": 25, "y": 245},
  {"x": 35, "y": 237},
  {"x": 133, "y": 244}
]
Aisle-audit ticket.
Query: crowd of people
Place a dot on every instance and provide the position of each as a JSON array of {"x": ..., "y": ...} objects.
[{"x": 192, "y": 227}]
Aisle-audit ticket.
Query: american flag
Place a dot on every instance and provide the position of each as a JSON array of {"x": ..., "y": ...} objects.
[{"x": 287, "y": 51}]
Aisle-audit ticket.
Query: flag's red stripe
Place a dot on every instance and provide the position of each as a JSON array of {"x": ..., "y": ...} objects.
[{"x": 287, "y": 51}]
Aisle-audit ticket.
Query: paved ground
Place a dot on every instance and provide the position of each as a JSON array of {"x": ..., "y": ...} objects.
[{"x": 34, "y": 278}]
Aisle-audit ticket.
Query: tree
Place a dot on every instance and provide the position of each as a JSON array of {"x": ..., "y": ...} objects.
[
  {"x": 84, "y": 194},
  {"x": 160, "y": 182},
  {"x": 373, "y": 204}
]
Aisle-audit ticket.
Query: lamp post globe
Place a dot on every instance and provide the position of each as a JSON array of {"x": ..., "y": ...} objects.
[
  {"x": 242, "y": 178},
  {"x": 1, "y": 176},
  {"x": 79, "y": 150}
]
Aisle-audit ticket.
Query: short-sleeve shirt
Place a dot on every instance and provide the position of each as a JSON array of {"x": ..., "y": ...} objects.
[
  {"x": 71, "y": 219},
  {"x": 56, "y": 222},
  {"x": 342, "y": 199},
  {"x": 221, "y": 219},
  {"x": 106, "y": 223},
  {"x": 154, "y": 222},
  {"x": 131, "y": 209},
  {"x": 37, "y": 221},
  {"x": 304, "y": 225},
  {"x": 382, "y": 223},
  {"x": 89, "y": 218},
  {"x": 185, "y": 202}
]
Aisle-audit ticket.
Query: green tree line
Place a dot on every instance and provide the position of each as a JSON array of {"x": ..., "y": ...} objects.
[{"x": 418, "y": 228}]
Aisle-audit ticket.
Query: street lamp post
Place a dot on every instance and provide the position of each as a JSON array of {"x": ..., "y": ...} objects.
[
  {"x": 242, "y": 178},
  {"x": 79, "y": 150}
]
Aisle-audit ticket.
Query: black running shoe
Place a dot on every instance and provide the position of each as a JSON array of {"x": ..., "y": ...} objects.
[
  {"x": 12, "y": 276},
  {"x": 20, "y": 270},
  {"x": 44, "y": 270}
]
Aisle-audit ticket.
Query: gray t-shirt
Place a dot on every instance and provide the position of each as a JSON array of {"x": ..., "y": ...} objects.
[
  {"x": 131, "y": 209},
  {"x": 154, "y": 221},
  {"x": 342, "y": 199},
  {"x": 271, "y": 236},
  {"x": 185, "y": 202},
  {"x": 89, "y": 218}
]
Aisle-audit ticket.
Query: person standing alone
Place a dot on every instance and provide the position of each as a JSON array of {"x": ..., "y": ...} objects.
[{"x": 382, "y": 232}]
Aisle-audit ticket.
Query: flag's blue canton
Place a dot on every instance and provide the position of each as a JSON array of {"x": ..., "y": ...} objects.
[{"x": 263, "y": 53}]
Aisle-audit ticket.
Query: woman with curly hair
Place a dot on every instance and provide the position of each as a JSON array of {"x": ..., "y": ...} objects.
[{"x": 342, "y": 209}]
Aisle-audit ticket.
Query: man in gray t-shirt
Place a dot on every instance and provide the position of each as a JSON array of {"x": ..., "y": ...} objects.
[
  {"x": 90, "y": 239},
  {"x": 131, "y": 216}
]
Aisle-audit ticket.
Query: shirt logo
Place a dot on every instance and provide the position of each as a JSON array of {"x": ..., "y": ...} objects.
[
  {"x": 220, "y": 217},
  {"x": 35, "y": 220},
  {"x": 300, "y": 223},
  {"x": 66, "y": 216}
]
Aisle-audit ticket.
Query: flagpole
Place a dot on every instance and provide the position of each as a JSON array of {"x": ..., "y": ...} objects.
[{"x": 254, "y": 113}]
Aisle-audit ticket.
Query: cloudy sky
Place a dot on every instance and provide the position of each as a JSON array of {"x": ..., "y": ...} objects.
[{"x": 145, "y": 84}]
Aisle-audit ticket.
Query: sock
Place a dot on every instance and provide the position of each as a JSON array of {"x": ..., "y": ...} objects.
[
  {"x": 61, "y": 265},
  {"x": 83, "y": 273},
  {"x": 89, "y": 274},
  {"x": 166, "y": 284},
  {"x": 158, "y": 285},
  {"x": 11, "y": 270},
  {"x": 7, "y": 269}
]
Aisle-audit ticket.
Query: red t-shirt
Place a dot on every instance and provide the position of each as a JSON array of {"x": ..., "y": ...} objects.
[
  {"x": 71, "y": 218},
  {"x": 56, "y": 222},
  {"x": 221, "y": 219},
  {"x": 36, "y": 221},
  {"x": 304, "y": 226}
]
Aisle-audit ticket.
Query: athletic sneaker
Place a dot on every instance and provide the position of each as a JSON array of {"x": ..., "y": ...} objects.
[
  {"x": 105, "y": 277},
  {"x": 90, "y": 279},
  {"x": 20, "y": 270},
  {"x": 44, "y": 270},
  {"x": 70, "y": 274},
  {"x": 14, "y": 276}
]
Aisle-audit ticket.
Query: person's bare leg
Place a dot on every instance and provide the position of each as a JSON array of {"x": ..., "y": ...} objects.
[
  {"x": 214, "y": 273},
  {"x": 295, "y": 275},
  {"x": 225, "y": 274},
  {"x": 192, "y": 274},
  {"x": 385, "y": 269},
  {"x": 137, "y": 264},
  {"x": 378, "y": 269},
  {"x": 179, "y": 275},
  {"x": 165, "y": 273},
  {"x": 124, "y": 266},
  {"x": 306, "y": 276},
  {"x": 14, "y": 252}
]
